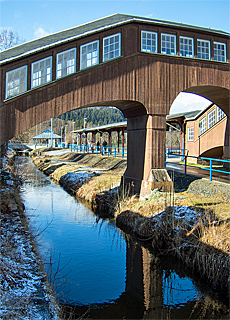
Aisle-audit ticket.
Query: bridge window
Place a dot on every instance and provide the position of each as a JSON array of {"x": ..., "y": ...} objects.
[
  {"x": 190, "y": 133},
  {"x": 168, "y": 43},
  {"x": 89, "y": 54},
  {"x": 149, "y": 41},
  {"x": 202, "y": 125},
  {"x": 16, "y": 81},
  {"x": 41, "y": 72},
  {"x": 111, "y": 47},
  {"x": 211, "y": 118},
  {"x": 66, "y": 63},
  {"x": 186, "y": 47},
  {"x": 203, "y": 49},
  {"x": 219, "y": 51},
  {"x": 220, "y": 114}
]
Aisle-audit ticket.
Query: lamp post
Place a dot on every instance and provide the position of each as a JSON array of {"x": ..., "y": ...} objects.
[
  {"x": 84, "y": 123},
  {"x": 61, "y": 135},
  {"x": 65, "y": 134},
  {"x": 72, "y": 131},
  {"x": 51, "y": 134},
  {"x": 84, "y": 129}
]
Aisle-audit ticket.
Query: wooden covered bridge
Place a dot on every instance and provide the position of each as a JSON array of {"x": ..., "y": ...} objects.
[{"x": 136, "y": 64}]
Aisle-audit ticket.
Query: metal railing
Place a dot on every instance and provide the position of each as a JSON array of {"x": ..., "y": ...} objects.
[
  {"x": 210, "y": 162},
  {"x": 104, "y": 151},
  {"x": 175, "y": 152}
]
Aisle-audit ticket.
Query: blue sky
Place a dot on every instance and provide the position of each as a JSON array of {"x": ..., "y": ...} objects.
[{"x": 36, "y": 18}]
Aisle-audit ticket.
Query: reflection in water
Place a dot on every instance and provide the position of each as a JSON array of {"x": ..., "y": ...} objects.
[{"x": 93, "y": 264}]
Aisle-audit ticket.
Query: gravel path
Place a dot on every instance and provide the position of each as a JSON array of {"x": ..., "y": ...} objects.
[{"x": 199, "y": 186}]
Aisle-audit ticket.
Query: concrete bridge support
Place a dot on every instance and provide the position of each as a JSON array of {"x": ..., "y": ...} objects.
[{"x": 146, "y": 155}]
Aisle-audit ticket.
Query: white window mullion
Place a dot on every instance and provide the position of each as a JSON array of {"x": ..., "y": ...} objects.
[
  {"x": 149, "y": 41},
  {"x": 168, "y": 44},
  {"x": 219, "y": 51},
  {"x": 203, "y": 49},
  {"x": 16, "y": 82},
  {"x": 39, "y": 72},
  {"x": 186, "y": 47},
  {"x": 66, "y": 63},
  {"x": 111, "y": 47},
  {"x": 89, "y": 54}
]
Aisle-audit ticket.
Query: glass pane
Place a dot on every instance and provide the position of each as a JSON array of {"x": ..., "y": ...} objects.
[
  {"x": 60, "y": 57},
  {"x": 16, "y": 74},
  {"x": 10, "y": 76}
]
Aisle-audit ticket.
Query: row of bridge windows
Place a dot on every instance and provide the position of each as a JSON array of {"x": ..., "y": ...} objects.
[
  {"x": 168, "y": 46},
  {"x": 207, "y": 122},
  {"x": 41, "y": 71}
]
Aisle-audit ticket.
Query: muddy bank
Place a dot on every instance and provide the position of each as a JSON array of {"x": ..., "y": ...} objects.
[
  {"x": 24, "y": 290},
  {"x": 192, "y": 223}
]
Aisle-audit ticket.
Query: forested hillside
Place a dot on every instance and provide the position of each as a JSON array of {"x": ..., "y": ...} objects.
[{"x": 96, "y": 116}]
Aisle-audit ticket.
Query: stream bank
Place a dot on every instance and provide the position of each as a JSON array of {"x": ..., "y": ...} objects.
[
  {"x": 24, "y": 290},
  {"x": 192, "y": 223}
]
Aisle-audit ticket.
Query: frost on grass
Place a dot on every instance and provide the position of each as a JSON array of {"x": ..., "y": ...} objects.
[
  {"x": 75, "y": 179},
  {"x": 24, "y": 293}
]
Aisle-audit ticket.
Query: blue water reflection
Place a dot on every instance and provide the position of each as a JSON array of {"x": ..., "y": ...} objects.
[
  {"x": 92, "y": 263},
  {"x": 89, "y": 254}
]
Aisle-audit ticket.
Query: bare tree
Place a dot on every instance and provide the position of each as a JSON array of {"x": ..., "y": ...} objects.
[{"x": 9, "y": 39}]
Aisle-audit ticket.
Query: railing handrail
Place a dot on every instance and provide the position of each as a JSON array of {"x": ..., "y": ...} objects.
[
  {"x": 210, "y": 168},
  {"x": 103, "y": 150}
]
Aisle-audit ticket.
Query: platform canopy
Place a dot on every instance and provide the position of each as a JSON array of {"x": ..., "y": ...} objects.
[
  {"x": 47, "y": 134},
  {"x": 105, "y": 128}
]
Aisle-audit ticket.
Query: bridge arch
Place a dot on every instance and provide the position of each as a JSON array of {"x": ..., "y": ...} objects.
[{"x": 218, "y": 95}]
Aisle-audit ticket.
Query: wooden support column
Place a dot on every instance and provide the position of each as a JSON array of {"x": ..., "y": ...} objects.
[
  {"x": 146, "y": 152},
  {"x": 122, "y": 137},
  {"x": 110, "y": 138},
  {"x": 118, "y": 135}
]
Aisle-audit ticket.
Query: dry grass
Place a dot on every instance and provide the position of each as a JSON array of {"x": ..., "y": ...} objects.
[
  {"x": 204, "y": 247},
  {"x": 62, "y": 170},
  {"x": 99, "y": 184}
]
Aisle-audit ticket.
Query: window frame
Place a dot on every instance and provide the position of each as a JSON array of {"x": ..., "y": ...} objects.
[
  {"x": 201, "y": 122},
  {"x": 211, "y": 118},
  {"x": 119, "y": 42},
  {"x": 225, "y": 51},
  {"x": 98, "y": 53},
  {"x": 19, "y": 84},
  {"x": 209, "y": 49},
  {"x": 32, "y": 65},
  {"x": 150, "y": 32},
  {"x": 190, "y": 133},
  {"x": 220, "y": 114},
  {"x": 66, "y": 67},
  {"x": 186, "y": 38},
  {"x": 175, "y": 46}
]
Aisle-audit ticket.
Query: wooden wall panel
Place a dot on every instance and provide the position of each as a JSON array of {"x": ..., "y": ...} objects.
[{"x": 152, "y": 80}]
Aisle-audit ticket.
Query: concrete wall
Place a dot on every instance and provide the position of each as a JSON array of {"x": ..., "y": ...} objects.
[{"x": 214, "y": 142}]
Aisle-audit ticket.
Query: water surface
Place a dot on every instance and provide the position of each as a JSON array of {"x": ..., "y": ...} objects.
[{"x": 92, "y": 263}]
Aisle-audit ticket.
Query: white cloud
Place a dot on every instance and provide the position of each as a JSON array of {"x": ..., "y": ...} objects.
[
  {"x": 40, "y": 32},
  {"x": 188, "y": 102}
]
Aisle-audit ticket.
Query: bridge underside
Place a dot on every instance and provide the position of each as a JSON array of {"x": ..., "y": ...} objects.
[{"x": 218, "y": 95}]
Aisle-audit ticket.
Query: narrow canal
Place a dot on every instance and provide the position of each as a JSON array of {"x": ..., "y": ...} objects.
[{"x": 97, "y": 269}]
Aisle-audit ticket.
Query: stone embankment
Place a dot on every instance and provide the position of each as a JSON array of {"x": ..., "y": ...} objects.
[
  {"x": 24, "y": 290},
  {"x": 191, "y": 223}
]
